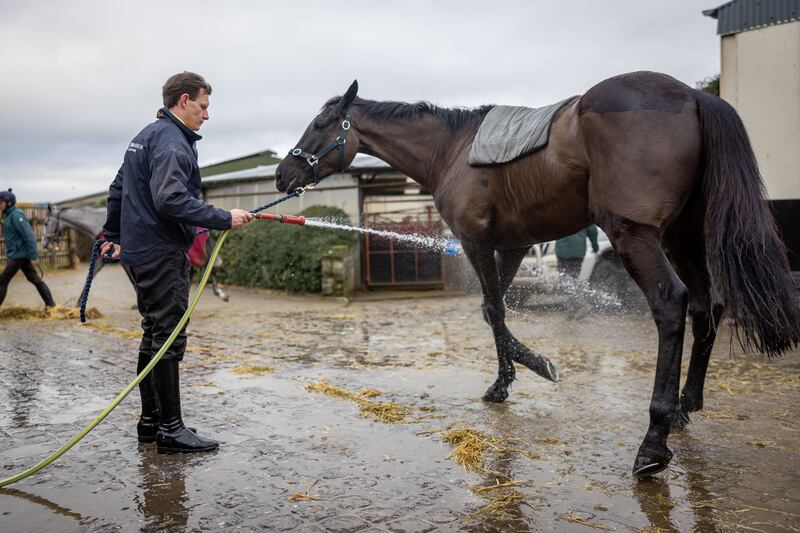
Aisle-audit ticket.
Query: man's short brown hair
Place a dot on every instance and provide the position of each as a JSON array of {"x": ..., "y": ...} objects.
[{"x": 185, "y": 82}]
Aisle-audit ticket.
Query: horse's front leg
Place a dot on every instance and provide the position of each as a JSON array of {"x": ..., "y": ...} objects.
[{"x": 509, "y": 348}]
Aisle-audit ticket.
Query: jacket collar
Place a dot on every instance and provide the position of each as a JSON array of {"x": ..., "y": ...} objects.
[{"x": 190, "y": 135}]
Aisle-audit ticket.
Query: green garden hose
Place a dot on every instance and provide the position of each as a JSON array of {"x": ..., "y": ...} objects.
[{"x": 85, "y": 431}]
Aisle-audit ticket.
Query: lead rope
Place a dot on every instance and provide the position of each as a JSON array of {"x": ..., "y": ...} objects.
[{"x": 90, "y": 275}]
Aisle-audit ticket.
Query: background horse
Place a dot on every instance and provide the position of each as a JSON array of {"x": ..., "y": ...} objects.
[
  {"x": 89, "y": 221},
  {"x": 658, "y": 165}
]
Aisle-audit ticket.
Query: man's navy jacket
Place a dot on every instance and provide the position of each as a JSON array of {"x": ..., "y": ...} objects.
[{"x": 153, "y": 205}]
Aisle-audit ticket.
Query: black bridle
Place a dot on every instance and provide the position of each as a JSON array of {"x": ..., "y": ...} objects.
[{"x": 314, "y": 159}]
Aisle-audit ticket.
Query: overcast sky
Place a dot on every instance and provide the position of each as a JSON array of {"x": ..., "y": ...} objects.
[{"x": 81, "y": 78}]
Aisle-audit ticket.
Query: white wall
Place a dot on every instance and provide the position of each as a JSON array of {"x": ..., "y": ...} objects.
[{"x": 760, "y": 77}]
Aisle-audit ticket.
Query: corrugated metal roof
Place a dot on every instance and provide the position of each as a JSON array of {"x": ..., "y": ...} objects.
[
  {"x": 362, "y": 162},
  {"x": 743, "y": 15}
]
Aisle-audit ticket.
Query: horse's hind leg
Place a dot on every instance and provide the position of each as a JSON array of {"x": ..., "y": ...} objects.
[
  {"x": 688, "y": 253},
  {"x": 508, "y": 347},
  {"x": 218, "y": 288},
  {"x": 639, "y": 247}
]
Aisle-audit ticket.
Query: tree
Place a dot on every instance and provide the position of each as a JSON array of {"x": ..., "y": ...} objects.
[{"x": 709, "y": 85}]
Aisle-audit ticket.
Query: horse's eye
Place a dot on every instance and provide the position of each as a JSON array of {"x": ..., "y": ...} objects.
[{"x": 318, "y": 125}]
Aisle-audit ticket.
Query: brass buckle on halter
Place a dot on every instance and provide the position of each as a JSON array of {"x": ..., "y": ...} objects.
[{"x": 302, "y": 190}]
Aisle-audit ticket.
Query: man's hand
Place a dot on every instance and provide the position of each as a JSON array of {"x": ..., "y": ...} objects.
[
  {"x": 240, "y": 217},
  {"x": 107, "y": 246}
]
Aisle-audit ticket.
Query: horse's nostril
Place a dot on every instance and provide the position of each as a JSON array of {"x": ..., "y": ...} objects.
[{"x": 278, "y": 174}]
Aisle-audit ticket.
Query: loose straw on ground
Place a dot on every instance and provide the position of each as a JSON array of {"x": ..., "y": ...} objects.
[
  {"x": 58, "y": 312},
  {"x": 388, "y": 412}
]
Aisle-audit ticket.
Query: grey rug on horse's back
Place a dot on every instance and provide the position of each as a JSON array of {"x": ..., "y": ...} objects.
[{"x": 509, "y": 132}]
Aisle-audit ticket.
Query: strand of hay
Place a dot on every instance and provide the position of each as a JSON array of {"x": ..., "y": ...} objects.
[
  {"x": 470, "y": 445},
  {"x": 574, "y": 518},
  {"x": 500, "y": 504},
  {"x": 388, "y": 412},
  {"x": 304, "y": 496},
  {"x": 114, "y": 331},
  {"x": 59, "y": 312},
  {"x": 256, "y": 370},
  {"x": 498, "y": 485}
]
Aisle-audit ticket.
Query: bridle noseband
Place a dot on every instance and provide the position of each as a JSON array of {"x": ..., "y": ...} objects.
[{"x": 314, "y": 159}]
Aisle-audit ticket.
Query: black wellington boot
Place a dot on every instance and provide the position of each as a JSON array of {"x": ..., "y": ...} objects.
[
  {"x": 148, "y": 421},
  {"x": 172, "y": 436}
]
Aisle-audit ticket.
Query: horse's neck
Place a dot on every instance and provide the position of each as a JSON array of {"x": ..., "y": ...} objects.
[
  {"x": 420, "y": 148},
  {"x": 87, "y": 222}
]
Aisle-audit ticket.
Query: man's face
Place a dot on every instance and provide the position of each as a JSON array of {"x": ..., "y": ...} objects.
[
  {"x": 3, "y": 205},
  {"x": 194, "y": 112}
]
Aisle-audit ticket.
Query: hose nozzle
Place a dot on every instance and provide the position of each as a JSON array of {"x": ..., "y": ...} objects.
[{"x": 283, "y": 219}]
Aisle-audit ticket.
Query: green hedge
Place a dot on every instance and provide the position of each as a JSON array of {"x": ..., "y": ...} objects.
[{"x": 281, "y": 256}]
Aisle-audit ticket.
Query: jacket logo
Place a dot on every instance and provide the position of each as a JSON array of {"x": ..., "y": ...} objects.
[{"x": 135, "y": 147}]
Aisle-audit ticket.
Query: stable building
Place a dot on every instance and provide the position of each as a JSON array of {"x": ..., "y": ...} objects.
[{"x": 760, "y": 77}]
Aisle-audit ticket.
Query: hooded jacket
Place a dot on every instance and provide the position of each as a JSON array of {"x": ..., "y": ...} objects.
[
  {"x": 153, "y": 205},
  {"x": 19, "y": 237}
]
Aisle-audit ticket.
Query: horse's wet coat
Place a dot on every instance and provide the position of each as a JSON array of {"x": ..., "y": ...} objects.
[{"x": 652, "y": 161}]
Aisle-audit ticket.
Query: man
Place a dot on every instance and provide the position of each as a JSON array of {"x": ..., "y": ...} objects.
[
  {"x": 21, "y": 249},
  {"x": 570, "y": 252},
  {"x": 153, "y": 208}
]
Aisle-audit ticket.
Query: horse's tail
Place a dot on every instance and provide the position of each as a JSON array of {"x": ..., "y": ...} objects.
[{"x": 745, "y": 253}]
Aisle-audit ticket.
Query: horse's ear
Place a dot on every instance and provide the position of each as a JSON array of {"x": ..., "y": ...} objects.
[{"x": 350, "y": 95}]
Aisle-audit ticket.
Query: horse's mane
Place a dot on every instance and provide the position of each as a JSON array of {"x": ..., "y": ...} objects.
[{"x": 454, "y": 118}]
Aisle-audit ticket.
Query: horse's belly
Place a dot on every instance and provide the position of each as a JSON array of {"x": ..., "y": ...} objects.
[{"x": 539, "y": 224}]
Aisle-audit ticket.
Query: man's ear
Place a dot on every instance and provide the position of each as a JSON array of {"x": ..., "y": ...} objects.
[{"x": 350, "y": 95}]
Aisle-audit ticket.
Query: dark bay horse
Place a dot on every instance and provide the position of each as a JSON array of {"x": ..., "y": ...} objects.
[{"x": 658, "y": 165}]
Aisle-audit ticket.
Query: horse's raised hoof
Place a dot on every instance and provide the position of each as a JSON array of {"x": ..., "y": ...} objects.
[
  {"x": 496, "y": 394},
  {"x": 537, "y": 363},
  {"x": 649, "y": 462}
]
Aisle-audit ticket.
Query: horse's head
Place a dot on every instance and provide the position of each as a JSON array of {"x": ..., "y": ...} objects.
[
  {"x": 327, "y": 146},
  {"x": 52, "y": 228}
]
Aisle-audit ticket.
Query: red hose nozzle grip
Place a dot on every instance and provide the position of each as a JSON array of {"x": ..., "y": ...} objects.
[
  {"x": 283, "y": 219},
  {"x": 296, "y": 220}
]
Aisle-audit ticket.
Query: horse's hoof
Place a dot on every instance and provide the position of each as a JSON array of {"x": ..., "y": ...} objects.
[
  {"x": 551, "y": 372},
  {"x": 495, "y": 394},
  {"x": 649, "y": 462},
  {"x": 538, "y": 364}
]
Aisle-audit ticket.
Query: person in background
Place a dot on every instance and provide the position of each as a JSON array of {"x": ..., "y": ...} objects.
[
  {"x": 570, "y": 252},
  {"x": 21, "y": 250},
  {"x": 153, "y": 211}
]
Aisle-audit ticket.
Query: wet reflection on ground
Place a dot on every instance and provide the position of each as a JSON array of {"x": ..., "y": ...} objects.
[{"x": 558, "y": 458}]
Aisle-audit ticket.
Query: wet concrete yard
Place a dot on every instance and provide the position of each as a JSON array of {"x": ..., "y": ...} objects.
[{"x": 558, "y": 456}]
